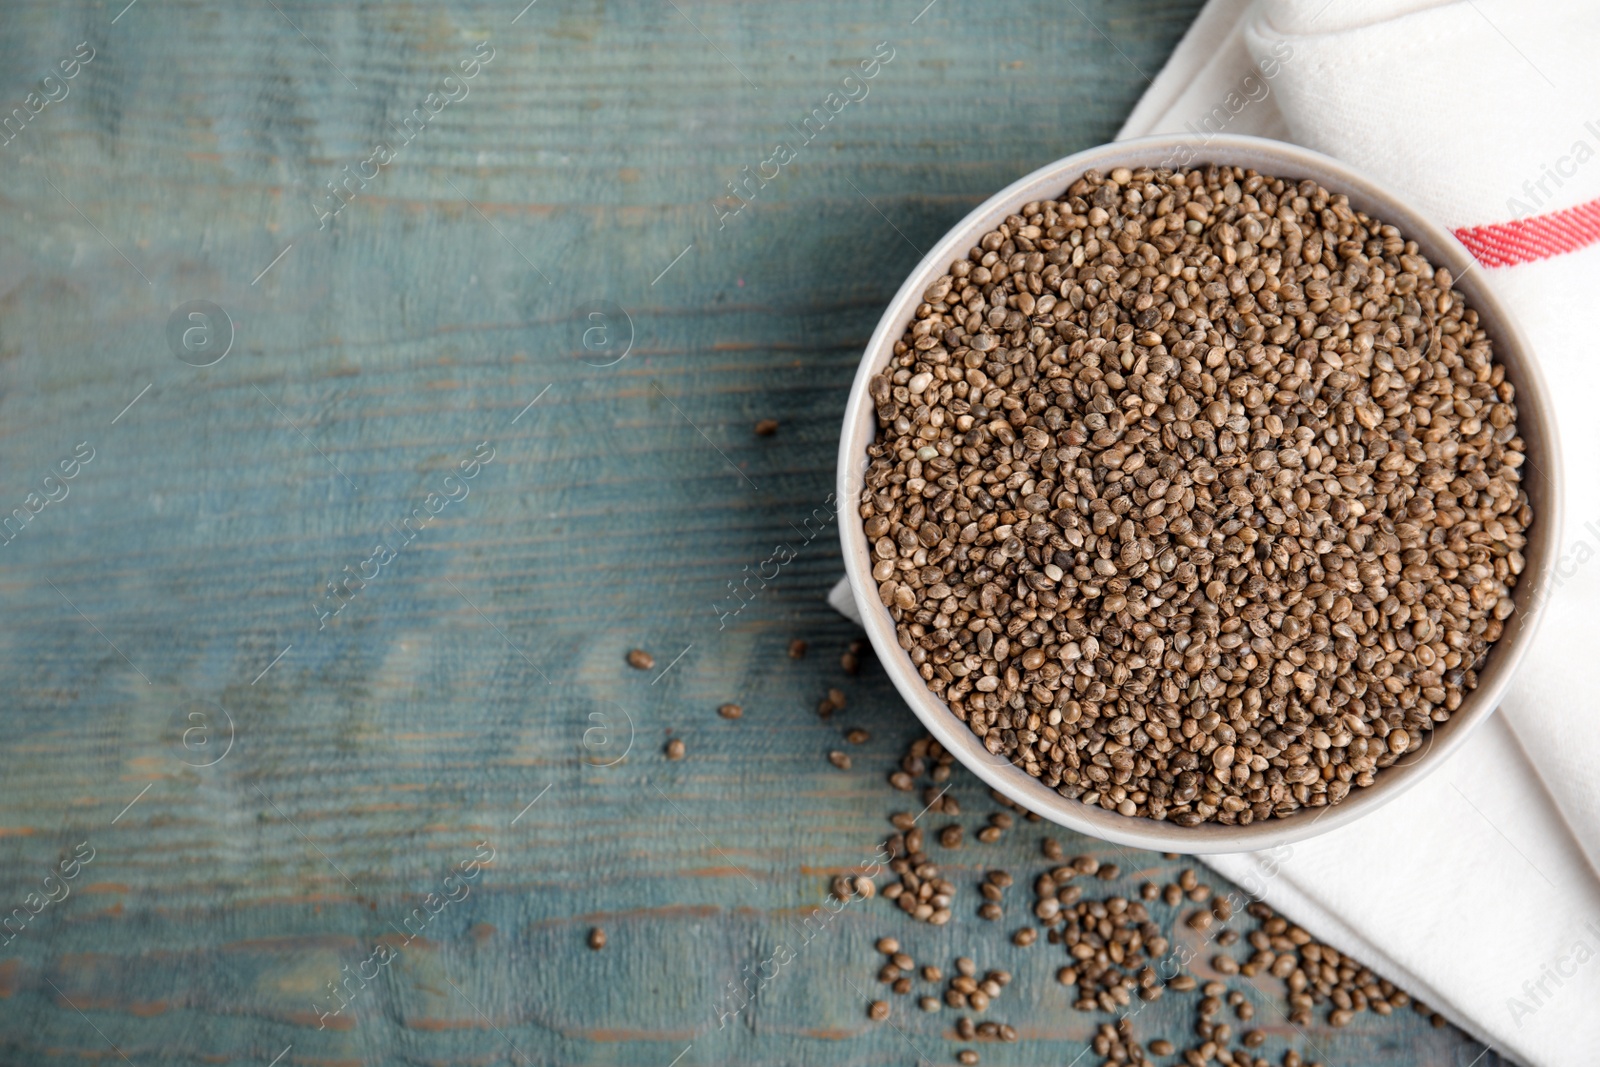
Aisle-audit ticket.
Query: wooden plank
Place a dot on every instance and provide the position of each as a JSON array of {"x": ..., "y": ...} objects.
[{"x": 267, "y": 797}]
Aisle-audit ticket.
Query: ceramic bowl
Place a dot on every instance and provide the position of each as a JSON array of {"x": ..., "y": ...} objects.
[{"x": 1541, "y": 480}]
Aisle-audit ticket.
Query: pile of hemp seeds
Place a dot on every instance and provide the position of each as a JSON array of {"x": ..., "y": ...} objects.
[{"x": 1196, "y": 494}]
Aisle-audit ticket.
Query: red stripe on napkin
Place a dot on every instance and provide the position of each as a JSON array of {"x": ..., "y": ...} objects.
[{"x": 1506, "y": 244}]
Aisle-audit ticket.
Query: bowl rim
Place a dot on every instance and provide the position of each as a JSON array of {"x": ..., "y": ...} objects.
[{"x": 1535, "y": 419}]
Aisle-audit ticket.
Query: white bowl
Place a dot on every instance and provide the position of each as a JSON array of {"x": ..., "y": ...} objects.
[{"x": 1542, "y": 482}]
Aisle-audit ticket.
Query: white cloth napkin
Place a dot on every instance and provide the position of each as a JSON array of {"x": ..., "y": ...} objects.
[{"x": 1471, "y": 891}]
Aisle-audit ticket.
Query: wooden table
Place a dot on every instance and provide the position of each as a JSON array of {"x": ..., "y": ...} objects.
[{"x": 255, "y": 381}]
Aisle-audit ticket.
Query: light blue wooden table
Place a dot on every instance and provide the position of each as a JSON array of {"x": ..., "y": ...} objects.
[{"x": 442, "y": 316}]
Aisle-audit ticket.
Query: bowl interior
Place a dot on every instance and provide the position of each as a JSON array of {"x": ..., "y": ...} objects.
[{"x": 1541, "y": 481}]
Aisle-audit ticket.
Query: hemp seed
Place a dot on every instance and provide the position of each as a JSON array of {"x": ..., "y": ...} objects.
[{"x": 1208, "y": 470}]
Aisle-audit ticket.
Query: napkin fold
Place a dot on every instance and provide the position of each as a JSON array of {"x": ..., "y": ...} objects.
[
  {"x": 1485, "y": 115},
  {"x": 1476, "y": 890}
]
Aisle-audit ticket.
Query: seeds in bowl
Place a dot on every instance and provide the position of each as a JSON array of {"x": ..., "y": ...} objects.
[{"x": 1196, "y": 493}]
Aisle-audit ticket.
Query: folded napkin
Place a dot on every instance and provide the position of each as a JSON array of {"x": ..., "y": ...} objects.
[
  {"x": 1476, "y": 890},
  {"x": 1485, "y": 114}
]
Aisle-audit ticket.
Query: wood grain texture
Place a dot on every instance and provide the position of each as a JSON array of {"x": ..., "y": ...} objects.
[{"x": 296, "y": 789}]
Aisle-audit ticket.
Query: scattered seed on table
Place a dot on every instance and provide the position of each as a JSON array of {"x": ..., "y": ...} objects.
[
  {"x": 675, "y": 749},
  {"x": 866, "y": 888},
  {"x": 1109, "y": 871},
  {"x": 991, "y": 911},
  {"x": 888, "y": 973},
  {"x": 930, "y": 973},
  {"x": 839, "y": 760},
  {"x": 766, "y": 427},
  {"x": 1172, "y": 896},
  {"x": 902, "y": 820},
  {"x": 902, "y": 985},
  {"x": 1024, "y": 937},
  {"x": 965, "y": 1028},
  {"x": 929, "y": 1004},
  {"x": 597, "y": 938},
  {"x": 1183, "y": 983},
  {"x": 1162, "y": 1047},
  {"x": 967, "y": 1057},
  {"x": 1050, "y": 848},
  {"x": 731, "y": 711},
  {"x": 1254, "y": 1038},
  {"x": 902, "y": 781},
  {"x": 950, "y": 836},
  {"x": 1224, "y": 964},
  {"x": 797, "y": 648},
  {"x": 836, "y": 698},
  {"x": 843, "y": 887},
  {"x": 1149, "y": 891},
  {"x": 641, "y": 660},
  {"x": 1200, "y": 920},
  {"x": 887, "y": 945},
  {"x": 965, "y": 967},
  {"x": 857, "y": 736},
  {"x": 989, "y": 834},
  {"x": 878, "y": 1010}
]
